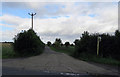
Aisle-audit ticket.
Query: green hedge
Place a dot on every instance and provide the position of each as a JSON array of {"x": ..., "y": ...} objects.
[
  {"x": 27, "y": 43},
  {"x": 109, "y": 45}
]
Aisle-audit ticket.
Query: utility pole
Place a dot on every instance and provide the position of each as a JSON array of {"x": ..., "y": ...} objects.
[
  {"x": 32, "y": 14},
  {"x": 98, "y": 43}
]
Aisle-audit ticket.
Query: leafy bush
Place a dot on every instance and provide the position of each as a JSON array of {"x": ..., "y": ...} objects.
[
  {"x": 109, "y": 45},
  {"x": 67, "y": 44},
  {"x": 71, "y": 44},
  {"x": 57, "y": 42},
  {"x": 27, "y": 43},
  {"x": 62, "y": 44},
  {"x": 7, "y": 50},
  {"x": 49, "y": 43},
  {"x": 76, "y": 41}
]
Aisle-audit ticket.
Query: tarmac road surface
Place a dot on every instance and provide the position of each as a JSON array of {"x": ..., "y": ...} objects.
[{"x": 51, "y": 62}]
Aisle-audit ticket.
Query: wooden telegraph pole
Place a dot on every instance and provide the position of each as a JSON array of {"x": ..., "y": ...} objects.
[
  {"x": 32, "y": 14},
  {"x": 98, "y": 43}
]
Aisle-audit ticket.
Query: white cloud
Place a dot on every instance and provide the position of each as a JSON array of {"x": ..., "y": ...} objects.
[
  {"x": 67, "y": 28},
  {"x": 60, "y": 1}
]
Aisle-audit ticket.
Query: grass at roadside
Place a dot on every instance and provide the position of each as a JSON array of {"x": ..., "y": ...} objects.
[
  {"x": 7, "y": 51},
  {"x": 86, "y": 57},
  {"x": 67, "y": 50},
  {"x": 97, "y": 59}
]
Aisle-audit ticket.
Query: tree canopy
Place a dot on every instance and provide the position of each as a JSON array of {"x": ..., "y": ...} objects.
[{"x": 28, "y": 43}]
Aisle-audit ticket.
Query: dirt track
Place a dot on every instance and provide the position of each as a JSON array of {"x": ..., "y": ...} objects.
[{"x": 51, "y": 61}]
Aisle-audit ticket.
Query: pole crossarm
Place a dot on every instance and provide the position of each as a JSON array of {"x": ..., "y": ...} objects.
[{"x": 32, "y": 14}]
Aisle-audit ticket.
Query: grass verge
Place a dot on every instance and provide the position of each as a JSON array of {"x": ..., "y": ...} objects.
[
  {"x": 67, "y": 50},
  {"x": 98, "y": 59},
  {"x": 7, "y": 51},
  {"x": 86, "y": 57}
]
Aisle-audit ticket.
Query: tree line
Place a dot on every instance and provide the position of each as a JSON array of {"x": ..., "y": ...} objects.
[
  {"x": 58, "y": 43},
  {"x": 109, "y": 45},
  {"x": 27, "y": 42}
]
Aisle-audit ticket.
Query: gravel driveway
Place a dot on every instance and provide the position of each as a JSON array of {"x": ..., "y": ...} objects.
[{"x": 51, "y": 62}]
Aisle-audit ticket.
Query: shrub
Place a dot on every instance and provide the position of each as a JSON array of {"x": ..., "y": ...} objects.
[
  {"x": 49, "y": 43},
  {"x": 71, "y": 44},
  {"x": 62, "y": 44},
  {"x": 27, "y": 43},
  {"x": 76, "y": 41},
  {"x": 57, "y": 42},
  {"x": 67, "y": 44},
  {"x": 109, "y": 45}
]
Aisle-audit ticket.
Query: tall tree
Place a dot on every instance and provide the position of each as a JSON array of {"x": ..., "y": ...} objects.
[
  {"x": 49, "y": 43},
  {"x": 57, "y": 42},
  {"x": 67, "y": 44}
]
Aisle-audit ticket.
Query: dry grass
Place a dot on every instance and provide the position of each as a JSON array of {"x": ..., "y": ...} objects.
[{"x": 7, "y": 50}]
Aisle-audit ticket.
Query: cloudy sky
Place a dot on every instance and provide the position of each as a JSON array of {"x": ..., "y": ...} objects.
[{"x": 65, "y": 20}]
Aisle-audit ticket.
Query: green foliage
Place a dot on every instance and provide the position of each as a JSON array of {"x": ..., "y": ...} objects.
[
  {"x": 85, "y": 56},
  {"x": 76, "y": 41},
  {"x": 67, "y": 50},
  {"x": 67, "y": 44},
  {"x": 57, "y": 42},
  {"x": 49, "y": 43},
  {"x": 7, "y": 51},
  {"x": 117, "y": 44},
  {"x": 109, "y": 45},
  {"x": 71, "y": 45},
  {"x": 98, "y": 59},
  {"x": 27, "y": 43},
  {"x": 62, "y": 44}
]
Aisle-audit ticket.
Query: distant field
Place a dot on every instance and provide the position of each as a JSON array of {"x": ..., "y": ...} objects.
[{"x": 7, "y": 51}]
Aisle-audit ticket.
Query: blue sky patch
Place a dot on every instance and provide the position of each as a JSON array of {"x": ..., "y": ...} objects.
[
  {"x": 54, "y": 17},
  {"x": 21, "y": 12},
  {"x": 4, "y": 28},
  {"x": 52, "y": 8},
  {"x": 92, "y": 15}
]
